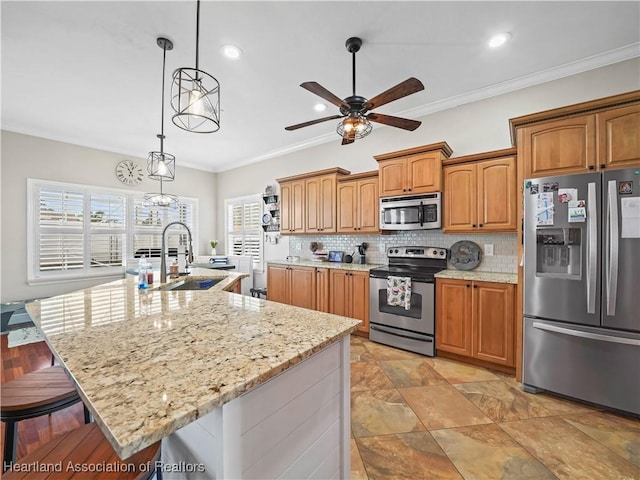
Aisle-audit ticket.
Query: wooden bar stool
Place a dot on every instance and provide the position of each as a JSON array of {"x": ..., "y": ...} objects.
[
  {"x": 87, "y": 448},
  {"x": 36, "y": 393}
]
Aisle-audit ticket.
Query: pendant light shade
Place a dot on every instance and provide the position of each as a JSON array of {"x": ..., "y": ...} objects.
[
  {"x": 160, "y": 165},
  {"x": 195, "y": 95}
]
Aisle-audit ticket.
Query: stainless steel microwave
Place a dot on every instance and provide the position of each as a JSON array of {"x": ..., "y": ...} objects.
[{"x": 411, "y": 212}]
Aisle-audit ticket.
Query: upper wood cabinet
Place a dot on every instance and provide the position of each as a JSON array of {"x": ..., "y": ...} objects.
[
  {"x": 476, "y": 319},
  {"x": 412, "y": 171},
  {"x": 308, "y": 202},
  {"x": 480, "y": 193},
  {"x": 589, "y": 136},
  {"x": 292, "y": 207},
  {"x": 619, "y": 137},
  {"x": 358, "y": 203}
]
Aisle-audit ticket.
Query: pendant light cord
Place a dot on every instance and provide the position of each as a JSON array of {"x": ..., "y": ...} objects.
[
  {"x": 164, "y": 62},
  {"x": 197, "y": 33}
]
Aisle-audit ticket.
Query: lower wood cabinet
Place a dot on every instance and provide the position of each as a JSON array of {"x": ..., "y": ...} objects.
[
  {"x": 292, "y": 285},
  {"x": 476, "y": 319},
  {"x": 350, "y": 295},
  {"x": 330, "y": 290}
]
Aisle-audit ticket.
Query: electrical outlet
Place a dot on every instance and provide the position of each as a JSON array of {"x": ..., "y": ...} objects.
[
  {"x": 298, "y": 246},
  {"x": 488, "y": 249},
  {"x": 381, "y": 248}
]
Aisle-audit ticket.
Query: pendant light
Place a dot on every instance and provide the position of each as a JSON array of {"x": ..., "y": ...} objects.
[
  {"x": 161, "y": 165},
  {"x": 195, "y": 95}
]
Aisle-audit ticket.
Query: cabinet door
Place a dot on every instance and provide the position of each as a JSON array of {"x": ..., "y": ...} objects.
[
  {"x": 393, "y": 177},
  {"x": 278, "y": 283},
  {"x": 286, "y": 206},
  {"x": 359, "y": 300},
  {"x": 460, "y": 198},
  {"x": 619, "y": 137},
  {"x": 322, "y": 289},
  {"x": 347, "y": 207},
  {"x": 297, "y": 218},
  {"x": 424, "y": 173},
  {"x": 453, "y": 316},
  {"x": 493, "y": 322},
  {"x": 327, "y": 204},
  {"x": 368, "y": 206},
  {"x": 558, "y": 147},
  {"x": 497, "y": 195},
  {"x": 339, "y": 295},
  {"x": 302, "y": 286},
  {"x": 312, "y": 204}
]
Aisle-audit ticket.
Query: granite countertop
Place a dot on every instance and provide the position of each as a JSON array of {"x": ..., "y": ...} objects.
[
  {"x": 310, "y": 263},
  {"x": 148, "y": 362},
  {"x": 479, "y": 276}
]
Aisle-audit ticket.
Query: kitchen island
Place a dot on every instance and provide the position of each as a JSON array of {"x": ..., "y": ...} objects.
[{"x": 236, "y": 386}]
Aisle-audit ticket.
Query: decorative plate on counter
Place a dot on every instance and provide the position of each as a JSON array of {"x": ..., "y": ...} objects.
[{"x": 465, "y": 255}]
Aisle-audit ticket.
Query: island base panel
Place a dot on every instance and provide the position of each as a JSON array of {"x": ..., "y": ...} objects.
[{"x": 293, "y": 426}]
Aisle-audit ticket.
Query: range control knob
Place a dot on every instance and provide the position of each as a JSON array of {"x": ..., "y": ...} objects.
[{"x": 442, "y": 253}]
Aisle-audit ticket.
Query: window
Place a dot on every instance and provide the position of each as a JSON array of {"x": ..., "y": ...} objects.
[
  {"x": 78, "y": 231},
  {"x": 244, "y": 228}
]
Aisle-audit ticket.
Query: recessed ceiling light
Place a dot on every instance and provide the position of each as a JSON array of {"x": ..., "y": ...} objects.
[
  {"x": 319, "y": 107},
  {"x": 231, "y": 51},
  {"x": 499, "y": 39}
]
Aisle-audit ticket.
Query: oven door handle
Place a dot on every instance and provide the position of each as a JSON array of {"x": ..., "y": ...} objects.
[
  {"x": 421, "y": 215},
  {"x": 384, "y": 330}
]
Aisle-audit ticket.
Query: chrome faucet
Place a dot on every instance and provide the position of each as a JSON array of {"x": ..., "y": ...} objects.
[{"x": 163, "y": 258}]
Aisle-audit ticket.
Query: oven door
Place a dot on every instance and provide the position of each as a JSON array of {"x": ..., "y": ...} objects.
[{"x": 420, "y": 318}]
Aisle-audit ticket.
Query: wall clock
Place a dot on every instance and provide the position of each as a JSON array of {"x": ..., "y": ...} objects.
[{"x": 129, "y": 172}]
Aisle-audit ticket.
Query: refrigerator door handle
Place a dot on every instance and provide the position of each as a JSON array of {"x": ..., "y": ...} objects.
[
  {"x": 612, "y": 251},
  {"x": 588, "y": 335},
  {"x": 592, "y": 249}
]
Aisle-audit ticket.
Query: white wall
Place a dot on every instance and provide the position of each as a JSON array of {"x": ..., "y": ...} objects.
[
  {"x": 470, "y": 128},
  {"x": 25, "y": 156}
]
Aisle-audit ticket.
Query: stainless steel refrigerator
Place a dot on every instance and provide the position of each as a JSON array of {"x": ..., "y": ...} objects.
[{"x": 582, "y": 287}]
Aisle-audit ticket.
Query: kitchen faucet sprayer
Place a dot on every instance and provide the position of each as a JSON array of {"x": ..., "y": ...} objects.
[{"x": 163, "y": 260}]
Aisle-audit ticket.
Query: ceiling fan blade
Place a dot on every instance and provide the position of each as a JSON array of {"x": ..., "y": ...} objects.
[
  {"x": 392, "y": 121},
  {"x": 312, "y": 122},
  {"x": 409, "y": 86},
  {"x": 319, "y": 90}
]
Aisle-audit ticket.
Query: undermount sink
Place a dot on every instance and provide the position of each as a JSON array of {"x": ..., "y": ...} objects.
[{"x": 190, "y": 285}]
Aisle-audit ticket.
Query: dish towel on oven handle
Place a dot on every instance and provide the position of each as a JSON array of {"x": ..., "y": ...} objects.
[{"x": 399, "y": 291}]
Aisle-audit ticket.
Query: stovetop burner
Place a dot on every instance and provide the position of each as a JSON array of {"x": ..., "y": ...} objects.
[{"x": 419, "y": 263}]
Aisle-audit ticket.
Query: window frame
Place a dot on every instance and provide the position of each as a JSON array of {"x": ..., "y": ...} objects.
[
  {"x": 37, "y": 277},
  {"x": 258, "y": 263}
]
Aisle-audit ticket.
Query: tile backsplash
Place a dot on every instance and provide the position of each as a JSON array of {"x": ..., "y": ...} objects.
[{"x": 504, "y": 259}]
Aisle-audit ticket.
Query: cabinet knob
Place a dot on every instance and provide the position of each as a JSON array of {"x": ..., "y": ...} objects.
[
  {"x": 408, "y": 189},
  {"x": 603, "y": 165},
  {"x": 473, "y": 225},
  {"x": 475, "y": 286},
  {"x": 591, "y": 167},
  {"x": 468, "y": 285},
  {"x": 480, "y": 225}
]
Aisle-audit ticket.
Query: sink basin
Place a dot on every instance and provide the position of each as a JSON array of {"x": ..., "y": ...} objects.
[{"x": 190, "y": 285}]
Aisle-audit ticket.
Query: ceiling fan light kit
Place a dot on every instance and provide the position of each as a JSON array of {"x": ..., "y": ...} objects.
[
  {"x": 195, "y": 95},
  {"x": 161, "y": 165},
  {"x": 354, "y": 110}
]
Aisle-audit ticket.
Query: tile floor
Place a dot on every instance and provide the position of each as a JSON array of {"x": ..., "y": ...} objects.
[{"x": 416, "y": 417}]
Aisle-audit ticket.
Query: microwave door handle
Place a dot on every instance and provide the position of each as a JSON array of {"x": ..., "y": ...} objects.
[
  {"x": 421, "y": 214},
  {"x": 612, "y": 253}
]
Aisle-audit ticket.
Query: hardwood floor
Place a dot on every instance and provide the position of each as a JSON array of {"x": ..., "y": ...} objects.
[{"x": 35, "y": 431}]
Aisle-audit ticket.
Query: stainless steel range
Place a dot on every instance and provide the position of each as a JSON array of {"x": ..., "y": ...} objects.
[{"x": 410, "y": 328}]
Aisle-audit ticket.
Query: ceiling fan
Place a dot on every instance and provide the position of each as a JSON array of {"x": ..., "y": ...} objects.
[{"x": 353, "y": 109}]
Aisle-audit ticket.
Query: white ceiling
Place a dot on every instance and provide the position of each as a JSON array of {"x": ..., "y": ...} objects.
[{"x": 89, "y": 72}]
